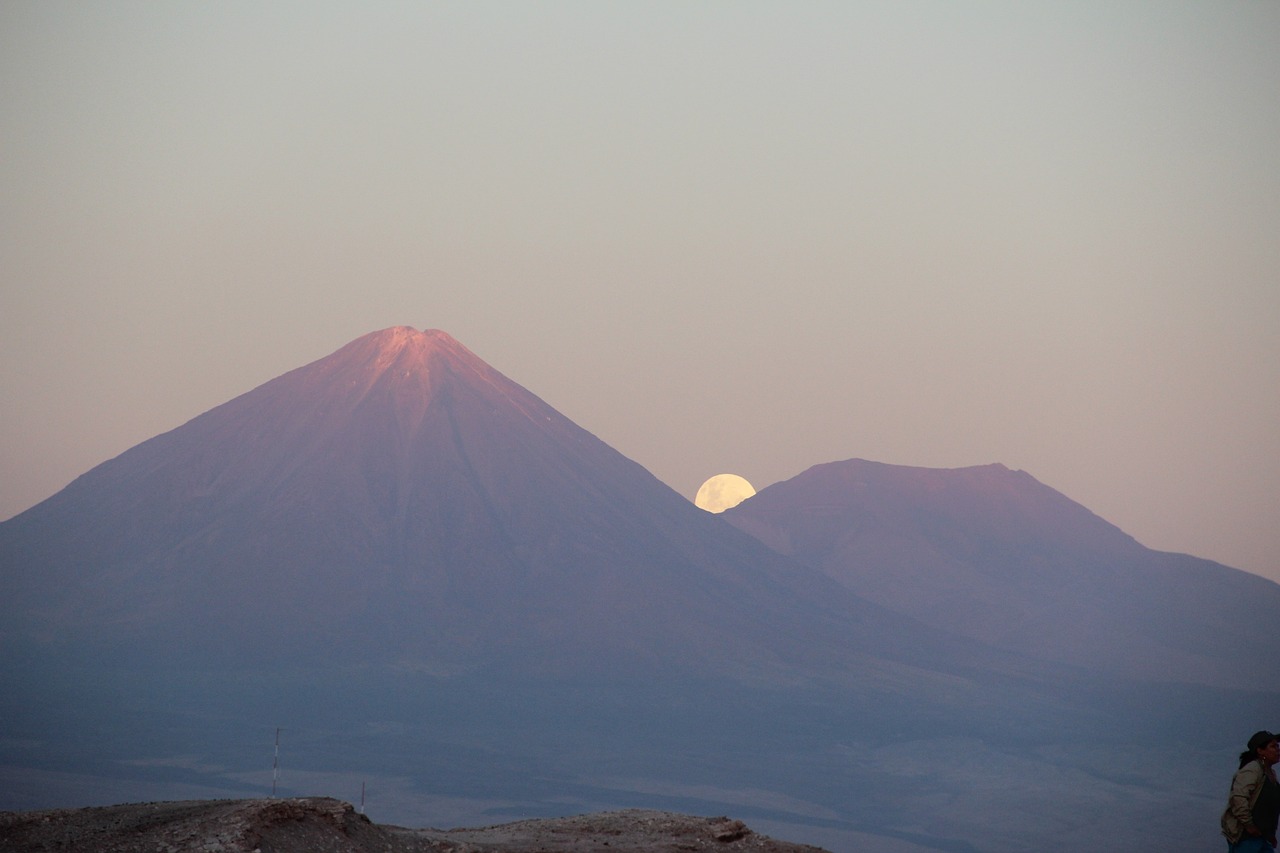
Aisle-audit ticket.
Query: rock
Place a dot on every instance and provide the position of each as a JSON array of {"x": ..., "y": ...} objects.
[{"x": 324, "y": 825}]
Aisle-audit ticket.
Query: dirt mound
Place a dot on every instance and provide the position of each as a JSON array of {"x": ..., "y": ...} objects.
[{"x": 323, "y": 825}]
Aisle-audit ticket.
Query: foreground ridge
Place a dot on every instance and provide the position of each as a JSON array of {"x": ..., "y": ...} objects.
[{"x": 326, "y": 825}]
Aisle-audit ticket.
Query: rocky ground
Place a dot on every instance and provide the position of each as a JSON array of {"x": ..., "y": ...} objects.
[{"x": 323, "y": 825}]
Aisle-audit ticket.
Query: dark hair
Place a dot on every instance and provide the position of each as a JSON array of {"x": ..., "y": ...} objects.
[{"x": 1257, "y": 742}]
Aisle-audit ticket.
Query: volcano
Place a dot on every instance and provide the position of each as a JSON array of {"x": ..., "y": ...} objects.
[{"x": 401, "y": 502}]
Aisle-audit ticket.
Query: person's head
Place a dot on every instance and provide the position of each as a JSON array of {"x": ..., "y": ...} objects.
[{"x": 1263, "y": 746}]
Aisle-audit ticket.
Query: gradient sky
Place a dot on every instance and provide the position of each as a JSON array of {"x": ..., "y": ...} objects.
[{"x": 724, "y": 237}]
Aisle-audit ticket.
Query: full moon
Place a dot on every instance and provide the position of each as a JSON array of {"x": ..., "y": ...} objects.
[{"x": 723, "y": 491}]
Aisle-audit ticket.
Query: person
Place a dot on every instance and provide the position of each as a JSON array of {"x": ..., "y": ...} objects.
[{"x": 1249, "y": 823}]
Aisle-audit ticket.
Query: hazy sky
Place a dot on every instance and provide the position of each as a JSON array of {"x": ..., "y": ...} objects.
[{"x": 724, "y": 237}]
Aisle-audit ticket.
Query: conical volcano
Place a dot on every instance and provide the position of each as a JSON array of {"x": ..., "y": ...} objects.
[{"x": 401, "y": 501}]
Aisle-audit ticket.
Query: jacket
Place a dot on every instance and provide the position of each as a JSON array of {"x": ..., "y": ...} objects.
[{"x": 1246, "y": 785}]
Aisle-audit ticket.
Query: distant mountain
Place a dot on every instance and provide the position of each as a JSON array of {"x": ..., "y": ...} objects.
[
  {"x": 995, "y": 556},
  {"x": 401, "y": 502}
]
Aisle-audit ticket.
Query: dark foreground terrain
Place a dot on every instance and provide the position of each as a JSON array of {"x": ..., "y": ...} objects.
[{"x": 324, "y": 825}]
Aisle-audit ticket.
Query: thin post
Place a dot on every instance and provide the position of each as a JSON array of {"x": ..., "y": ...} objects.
[{"x": 275, "y": 765}]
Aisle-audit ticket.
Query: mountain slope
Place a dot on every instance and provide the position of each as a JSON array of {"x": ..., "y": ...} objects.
[{"x": 998, "y": 557}]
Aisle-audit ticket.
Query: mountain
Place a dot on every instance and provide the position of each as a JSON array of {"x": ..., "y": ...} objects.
[
  {"x": 432, "y": 582},
  {"x": 400, "y": 501},
  {"x": 994, "y": 555}
]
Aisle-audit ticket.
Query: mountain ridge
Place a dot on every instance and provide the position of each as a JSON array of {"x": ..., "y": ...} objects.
[{"x": 996, "y": 556}]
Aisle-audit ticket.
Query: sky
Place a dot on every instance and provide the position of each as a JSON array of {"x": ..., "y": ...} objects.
[{"x": 735, "y": 237}]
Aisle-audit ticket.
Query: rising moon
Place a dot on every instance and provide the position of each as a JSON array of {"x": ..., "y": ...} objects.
[{"x": 723, "y": 491}]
